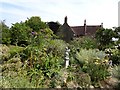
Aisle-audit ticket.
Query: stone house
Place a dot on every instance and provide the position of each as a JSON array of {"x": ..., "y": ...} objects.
[{"x": 67, "y": 32}]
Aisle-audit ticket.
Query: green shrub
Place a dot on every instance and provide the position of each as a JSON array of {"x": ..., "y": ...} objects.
[
  {"x": 116, "y": 72},
  {"x": 56, "y": 47},
  {"x": 115, "y": 56},
  {"x": 78, "y": 77},
  {"x": 20, "y": 33},
  {"x": 15, "y": 50},
  {"x": 6, "y": 35},
  {"x": 97, "y": 71},
  {"x": 41, "y": 63},
  {"x": 35, "y": 23},
  {"x": 4, "y": 53},
  {"x": 84, "y": 42},
  {"x": 18, "y": 81},
  {"x": 104, "y": 38},
  {"x": 94, "y": 63},
  {"x": 88, "y": 55}
]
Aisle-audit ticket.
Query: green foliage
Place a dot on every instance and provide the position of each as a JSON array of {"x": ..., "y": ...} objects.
[
  {"x": 56, "y": 47},
  {"x": 116, "y": 72},
  {"x": 97, "y": 71},
  {"x": 54, "y": 26},
  {"x": 104, "y": 37},
  {"x": 117, "y": 32},
  {"x": 87, "y": 55},
  {"x": 13, "y": 50},
  {"x": 4, "y": 55},
  {"x": 35, "y": 23},
  {"x": 40, "y": 63},
  {"x": 6, "y": 35},
  {"x": 77, "y": 77},
  {"x": 8, "y": 52},
  {"x": 20, "y": 32},
  {"x": 15, "y": 82},
  {"x": 84, "y": 42},
  {"x": 93, "y": 63},
  {"x": 46, "y": 33},
  {"x": 117, "y": 35},
  {"x": 115, "y": 56}
]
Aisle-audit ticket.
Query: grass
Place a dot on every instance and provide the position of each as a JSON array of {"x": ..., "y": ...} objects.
[{"x": 15, "y": 49}]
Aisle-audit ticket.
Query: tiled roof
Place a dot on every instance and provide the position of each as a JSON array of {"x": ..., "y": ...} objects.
[
  {"x": 80, "y": 30},
  {"x": 90, "y": 30}
]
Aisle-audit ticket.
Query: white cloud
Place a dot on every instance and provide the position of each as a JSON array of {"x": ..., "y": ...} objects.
[{"x": 95, "y": 11}]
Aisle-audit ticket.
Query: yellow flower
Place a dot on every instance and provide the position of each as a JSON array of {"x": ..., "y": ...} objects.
[
  {"x": 97, "y": 60},
  {"x": 86, "y": 61},
  {"x": 106, "y": 60},
  {"x": 96, "y": 63}
]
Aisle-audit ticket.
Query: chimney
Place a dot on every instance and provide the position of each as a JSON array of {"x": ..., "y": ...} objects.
[
  {"x": 85, "y": 27},
  {"x": 101, "y": 25},
  {"x": 65, "y": 21}
]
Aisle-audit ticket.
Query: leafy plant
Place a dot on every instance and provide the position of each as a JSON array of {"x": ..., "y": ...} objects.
[
  {"x": 35, "y": 23},
  {"x": 56, "y": 47},
  {"x": 20, "y": 33},
  {"x": 6, "y": 35},
  {"x": 84, "y": 42},
  {"x": 94, "y": 63},
  {"x": 104, "y": 37},
  {"x": 115, "y": 56},
  {"x": 88, "y": 55},
  {"x": 4, "y": 53}
]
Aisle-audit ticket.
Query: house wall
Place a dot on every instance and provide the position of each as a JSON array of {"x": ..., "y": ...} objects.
[{"x": 65, "y": 32}]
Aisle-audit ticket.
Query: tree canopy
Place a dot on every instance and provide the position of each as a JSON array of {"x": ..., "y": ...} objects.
[
  {"x": 6, "y": 36},
  {"x": 35, "y": 23},
  {"x": 54, "y": 26},
  {"x": 105, "y": 37}
]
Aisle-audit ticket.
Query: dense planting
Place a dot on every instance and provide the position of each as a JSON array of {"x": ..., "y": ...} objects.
[{"x": 33, "y": 57}]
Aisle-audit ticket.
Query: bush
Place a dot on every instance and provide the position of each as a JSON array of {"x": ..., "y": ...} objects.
[
  {"x": 84, "y": 42},
  {"x": 4, "y": 53},
  {"x": 97, "y": 71},
  {"x": 56, "y": 47},
  {"x": 79, "y": 78},
  {"x": 40, "y": 60},
  {"x": 6, "y": 35},
  {"x": 104, "y": 38},
  {"x": 84, "y": 55},
  {"x": 116, "y": 72},
  {"x": 115, "y": 56},
  {"x": 20, "y": 33},
  {"x": 94, "y": 63},
  {"x": 35, "y": 23}
]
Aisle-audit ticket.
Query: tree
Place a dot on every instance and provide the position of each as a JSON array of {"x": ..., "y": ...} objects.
[
  {"x": 35, "y": 23},
  {"x": 117, "y": 35},
  {"x": 54, "y": 26},
  {"x": 104, "y": 37},
  {"x": 20, "y": 33},
  {"x": 6, "y": 36}
]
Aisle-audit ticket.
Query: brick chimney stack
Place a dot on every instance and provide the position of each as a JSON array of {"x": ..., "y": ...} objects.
[
  {"x": 101, "y": 25},
  {"x": 85, "y": 27},
  {"x": 65, "y": 21}
]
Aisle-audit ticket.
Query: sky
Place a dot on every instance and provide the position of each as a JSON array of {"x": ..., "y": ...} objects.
[{"x": 94, "y": 11}]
